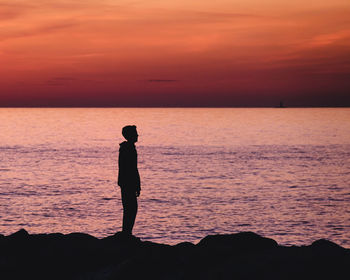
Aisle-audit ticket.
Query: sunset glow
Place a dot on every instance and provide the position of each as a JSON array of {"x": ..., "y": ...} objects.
[{"x": 174, "y": 53}]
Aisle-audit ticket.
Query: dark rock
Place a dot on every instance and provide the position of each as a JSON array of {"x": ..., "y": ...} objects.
[
  {"x": 22, "y": 234},
  {"x": 184, "y": 246},
  {"x": 122, "y": 239},
  {"x": 243, "y": 241},
  {"x": 243, "y": 255},
  {"x": 327, "y": 247},
  {"x": 2, "y": 239}
]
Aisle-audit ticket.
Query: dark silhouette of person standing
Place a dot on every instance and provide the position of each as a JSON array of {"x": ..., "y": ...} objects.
[{"x": 128, "y": 177}]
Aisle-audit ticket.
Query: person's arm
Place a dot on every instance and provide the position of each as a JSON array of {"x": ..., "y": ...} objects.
[
  {"x": 138, "y": 181},
  {"x": 120, "y": 168},
  {"x": 138, "y": 184}
]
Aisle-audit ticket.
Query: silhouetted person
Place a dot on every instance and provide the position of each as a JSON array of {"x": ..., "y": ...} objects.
[{"x": 128, "y": 177}]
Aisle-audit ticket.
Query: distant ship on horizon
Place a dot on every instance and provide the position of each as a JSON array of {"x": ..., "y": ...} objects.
[{"x": 281, "y": 105}]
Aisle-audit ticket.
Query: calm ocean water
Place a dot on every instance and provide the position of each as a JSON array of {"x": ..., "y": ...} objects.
[{"x": 282, "y": 173}]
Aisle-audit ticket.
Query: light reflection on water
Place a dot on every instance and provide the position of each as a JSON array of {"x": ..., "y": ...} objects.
[{"x": 282, "y": 173}]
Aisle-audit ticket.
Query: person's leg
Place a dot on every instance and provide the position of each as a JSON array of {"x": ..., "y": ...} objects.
[{"x": 129, "y": 201}]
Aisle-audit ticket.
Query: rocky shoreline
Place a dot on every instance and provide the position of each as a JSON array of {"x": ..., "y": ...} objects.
[{"x": 244, "y": 255}]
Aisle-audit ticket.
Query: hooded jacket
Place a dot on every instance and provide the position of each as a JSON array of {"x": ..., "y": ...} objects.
[{"x": 128, "y": 174}]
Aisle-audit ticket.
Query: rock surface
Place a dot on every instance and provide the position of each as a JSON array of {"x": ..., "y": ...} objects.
[{"x": 244, "y": 255}]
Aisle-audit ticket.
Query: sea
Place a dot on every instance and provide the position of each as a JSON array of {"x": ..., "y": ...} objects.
[{"x": 283, "y": 173}]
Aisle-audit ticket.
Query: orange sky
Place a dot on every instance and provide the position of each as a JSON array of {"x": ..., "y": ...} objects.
[{"x": 174, "y": 53}]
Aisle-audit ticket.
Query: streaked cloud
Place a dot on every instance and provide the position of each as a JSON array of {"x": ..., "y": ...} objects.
[
  {"x": 162, "y": 81},
  {"x": 47, "y": 28},
  {"x": 330, "y": 38}
]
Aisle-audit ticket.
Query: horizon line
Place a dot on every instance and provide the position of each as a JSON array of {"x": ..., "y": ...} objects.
[{"x": 205, "y": 107}]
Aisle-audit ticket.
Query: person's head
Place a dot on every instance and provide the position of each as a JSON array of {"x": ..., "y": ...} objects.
[{"x": 130, "y": 133}]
